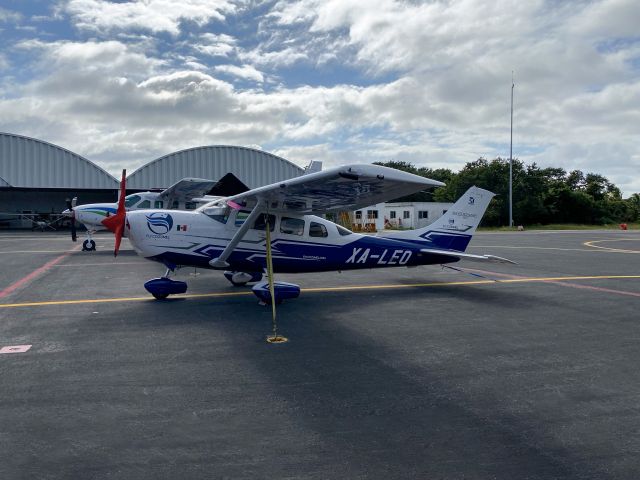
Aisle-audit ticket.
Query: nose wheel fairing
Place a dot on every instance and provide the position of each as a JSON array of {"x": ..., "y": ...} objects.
[{"x": 162, "y": 287}]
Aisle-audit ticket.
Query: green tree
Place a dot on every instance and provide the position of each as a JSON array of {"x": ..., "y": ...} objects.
[{"x": 440, "y": 174}]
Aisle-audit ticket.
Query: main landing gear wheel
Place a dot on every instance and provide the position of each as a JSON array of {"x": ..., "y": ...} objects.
[
  {"x": 160, "y": 296},
  {"x": 88, "y": 246}
]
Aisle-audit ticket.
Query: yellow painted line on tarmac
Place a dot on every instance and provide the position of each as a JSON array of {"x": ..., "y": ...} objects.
[
  {"x": 533, "y": 248},
  {"x": 610, "y": 249},
  {"x": 345, "y": 288},
  {"x": 120, "y": 299}
]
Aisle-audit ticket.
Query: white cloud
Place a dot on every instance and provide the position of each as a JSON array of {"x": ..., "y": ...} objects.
[
  {"x": 608, "y": 18},
  {"x": 275, "y": 58},
  {"x": 431, "y": 83},
  {"x": 153, "y": 15},
  {"x": 216, "y": 45},
  {"x": 9, "y": 16},
  {"x": 246, "y": 72}
]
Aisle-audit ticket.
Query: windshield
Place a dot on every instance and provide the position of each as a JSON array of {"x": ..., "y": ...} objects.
[{"x": 131, "y": 200}]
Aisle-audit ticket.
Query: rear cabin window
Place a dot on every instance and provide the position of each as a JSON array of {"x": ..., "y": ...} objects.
[
  {"x": 158, "y": 204},
  {"x": 317, "y": 230},
  {"x": 292, "y": 226},
  {"x": 343, "y": 231},
  {"x": 131, "y": 200},
  {"x": 261, "y": 222}
]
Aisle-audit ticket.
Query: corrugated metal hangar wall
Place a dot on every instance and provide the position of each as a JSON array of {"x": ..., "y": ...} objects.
[
  {"x": 37, "y": 177},
  {"x": 254, "y": 168},
  {"x": 29, "y": 163}
]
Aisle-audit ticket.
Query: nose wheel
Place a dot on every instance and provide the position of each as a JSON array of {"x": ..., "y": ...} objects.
[{"x": 88, "y": 246}]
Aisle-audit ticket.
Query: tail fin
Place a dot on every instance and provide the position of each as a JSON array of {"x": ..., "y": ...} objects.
[{"x": 453, "y": 231}]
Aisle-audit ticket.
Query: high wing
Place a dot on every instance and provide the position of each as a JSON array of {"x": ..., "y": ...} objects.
[
  {"x": 467, "y": 256},
  {"x": 343, "y": 188},
  {"x": 185, "y": 190}
]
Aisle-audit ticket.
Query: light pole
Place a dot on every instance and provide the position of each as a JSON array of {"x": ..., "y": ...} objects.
[{"x": 511, "y": 159}]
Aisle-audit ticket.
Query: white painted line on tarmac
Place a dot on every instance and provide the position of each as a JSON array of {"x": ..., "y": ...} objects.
[{"x": 15, "y": 349}]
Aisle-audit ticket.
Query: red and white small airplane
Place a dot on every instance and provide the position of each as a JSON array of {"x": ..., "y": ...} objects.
[{"x": 230, "y": 233}]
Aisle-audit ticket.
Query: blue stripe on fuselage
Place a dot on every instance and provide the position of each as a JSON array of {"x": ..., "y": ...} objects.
[{"x": 294, "y": 257}]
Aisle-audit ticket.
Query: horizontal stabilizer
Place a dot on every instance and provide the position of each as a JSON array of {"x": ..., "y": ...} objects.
[{"x": 467, "y": 256}]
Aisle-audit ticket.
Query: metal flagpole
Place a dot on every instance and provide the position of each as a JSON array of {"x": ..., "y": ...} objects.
[{"x": 511, "y": 159}]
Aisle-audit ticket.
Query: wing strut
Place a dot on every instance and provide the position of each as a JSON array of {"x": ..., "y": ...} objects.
[{"x": 221, "y": 261}]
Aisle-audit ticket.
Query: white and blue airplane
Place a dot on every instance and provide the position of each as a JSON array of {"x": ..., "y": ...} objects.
[
  {"x": 184, "y": 194},
  {"x": 230, "y": 233}
]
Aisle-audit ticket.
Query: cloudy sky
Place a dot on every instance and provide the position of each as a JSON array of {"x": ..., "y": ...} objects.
[{"x": 333, "y": 80}]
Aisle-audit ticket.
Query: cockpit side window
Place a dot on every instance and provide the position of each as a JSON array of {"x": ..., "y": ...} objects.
[
  {"x": 317, "y": 230},
  {"x": 145, "y": 204},
  {"x": 131, "y": 200}
]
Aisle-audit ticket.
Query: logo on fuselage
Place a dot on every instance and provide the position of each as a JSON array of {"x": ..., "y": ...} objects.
[{"x": 159, "y": 223}]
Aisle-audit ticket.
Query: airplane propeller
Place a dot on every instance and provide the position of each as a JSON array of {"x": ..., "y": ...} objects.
[
  {"x": 116, "y": 222},
  {"x": 71, "y": 205}
]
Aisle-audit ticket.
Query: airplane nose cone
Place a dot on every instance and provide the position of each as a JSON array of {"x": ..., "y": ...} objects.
[{"x": 132, "y": 227}]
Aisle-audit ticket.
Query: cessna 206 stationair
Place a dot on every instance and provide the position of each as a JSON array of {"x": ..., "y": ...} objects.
[{"x": 230, "y": 233}]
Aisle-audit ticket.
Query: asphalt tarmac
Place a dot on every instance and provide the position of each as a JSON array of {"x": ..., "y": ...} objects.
[{"x": 394, "y": 373}]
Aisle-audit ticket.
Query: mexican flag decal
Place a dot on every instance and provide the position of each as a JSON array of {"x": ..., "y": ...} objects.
[{"x": 181, "y": 228}]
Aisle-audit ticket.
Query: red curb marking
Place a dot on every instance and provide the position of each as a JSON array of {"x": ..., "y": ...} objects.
[{"x": 36, "y": 273}]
